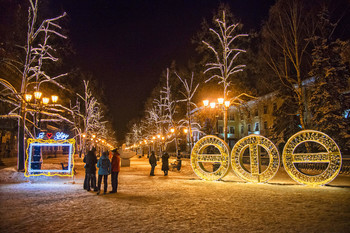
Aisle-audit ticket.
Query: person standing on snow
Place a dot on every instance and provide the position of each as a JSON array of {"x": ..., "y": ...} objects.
[
  {"x": 115, "y": 170},
  {"x": 104, "y": 170},
  {"x": 153, "y": 162},
  {"x": 90, "y": 161},
  {"x": 165, "y": 163}
]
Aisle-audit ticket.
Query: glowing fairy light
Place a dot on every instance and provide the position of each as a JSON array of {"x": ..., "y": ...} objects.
[{"x": 49, "y": 143}]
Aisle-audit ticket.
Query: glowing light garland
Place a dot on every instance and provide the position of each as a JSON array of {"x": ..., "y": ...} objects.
[
  {"x": 332, "y": 157},
  {"x": 253, "y": 142},
  {"x": 198, "y": 158},
  {"x": 50, "y": 142}
]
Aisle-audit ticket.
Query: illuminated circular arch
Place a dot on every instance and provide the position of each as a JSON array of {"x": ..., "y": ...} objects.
[
  {"x": 332, "y": 157},
  {"x": 198, "y": 158},
  {"x": 253, "y": 142}
]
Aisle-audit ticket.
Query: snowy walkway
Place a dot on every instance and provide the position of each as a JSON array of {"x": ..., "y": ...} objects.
[{"x": 177, "y": 203}]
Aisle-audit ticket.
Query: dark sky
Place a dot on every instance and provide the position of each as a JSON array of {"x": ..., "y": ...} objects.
[{"x": 126, "y": 44}]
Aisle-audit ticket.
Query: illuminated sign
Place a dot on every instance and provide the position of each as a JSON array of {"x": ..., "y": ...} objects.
[
  {"x": 61, "y": 136},
  {"x": 202, "y": 153},
  {"x": 55, "y": 164},
  {"x": 331, "y": 156},
  {"x": 256, "y": 174},
  {"x": 201, "y": 157}
]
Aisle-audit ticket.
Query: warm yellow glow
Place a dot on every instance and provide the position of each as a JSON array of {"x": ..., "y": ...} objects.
[
  {"x": 92, "y": 139},
  {"x": 227, "y": 104},
  {"x": 54, "y": 98},
  {"x": 212, "y": 104},
  {"x": 158, "y": 136},
  {"x": 206, "y": 103},
  {"x": 220, "y": 100},
  {"x": 172, "y": 130},
  {"x": 200, "y": 158},
  {"x": 332, "y": 156},
  {"x": 37, "y": 95},
  {"x": 46, "y": 100},
  {"x": 145, "y": 141},
  {"x": 93, "y": 136},
  {"x": 84, "y": 135},
  {"x": 163, "y": 138},
  {"x": 153, "y": 137},
  {"x": 28, "y": 97},
  {"x": 257, "y": 173},
  {"x": 185, "y": 130}
]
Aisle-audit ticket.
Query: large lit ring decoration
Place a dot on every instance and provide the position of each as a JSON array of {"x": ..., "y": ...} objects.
[
  {"x": 198, "y": 158},
  {"x": 332, "y": 157},
  {"x": 253, "y": 142}
]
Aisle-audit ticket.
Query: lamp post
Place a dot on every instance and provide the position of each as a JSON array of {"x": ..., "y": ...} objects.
[
  {"x": 26, "y": 98},
  {"x": 224, "y": 106}
]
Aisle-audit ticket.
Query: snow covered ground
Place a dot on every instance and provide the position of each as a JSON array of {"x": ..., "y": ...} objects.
[{"x": 179, "y": 202}]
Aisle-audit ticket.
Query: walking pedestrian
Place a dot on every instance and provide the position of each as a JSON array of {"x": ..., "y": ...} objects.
[
  {"x": 115, "y": 170},
  {"x": 153, "y": 162},
  {"x": 104, "y": 169},
  {"x": 165, "y": 163},
  {"x": 90, "y": 161}
]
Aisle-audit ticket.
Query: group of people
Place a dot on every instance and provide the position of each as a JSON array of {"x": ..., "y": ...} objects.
[
  {"x": 105, "y": 168},
  {"x": 165, "y": 163}
]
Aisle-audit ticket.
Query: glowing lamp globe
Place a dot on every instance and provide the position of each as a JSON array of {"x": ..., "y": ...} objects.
[
  {"x": 28, "y": 97},
  {"x": 212, "y": 105},
  {"x": 227, "y": 104},
  {"x": 54, "y": 98},
  {"x": 220, "y": 100},
  {"x": 205, "y": 103},
  {"x": 37, "y": 94},
  {"x": 46, "y": 100}
]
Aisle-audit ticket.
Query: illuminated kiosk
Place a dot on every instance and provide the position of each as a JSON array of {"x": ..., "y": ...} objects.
[
  {"x": 330, "y": 155},
  {"x": 201, "y": 156},
  {"x": 256, "y": 174},
  {"x": 35, "y": 163}
]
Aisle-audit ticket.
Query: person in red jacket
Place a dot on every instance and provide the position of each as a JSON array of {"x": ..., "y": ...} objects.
[{"x": 115, "y": 170}]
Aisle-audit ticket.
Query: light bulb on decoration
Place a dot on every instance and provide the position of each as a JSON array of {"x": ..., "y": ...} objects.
[
  {"x": 153, "y": 137},
  {"x": 212, "y": 105},
  {"x": 46, "y": 100},
  {"x": 172, "y": 130},
  {"x": 145, "y": 141},
  {"x": 220, "y": 100},
  {"x": 163, "y": 138},
  {"x": 185, "y": 130},
  {"x": 54, "y": 98},
  {"x": 93, "y": 136},
  {"x": 84, "y": 135},
  {"x": 92, "y": 139},
  {"x": 206, "y": 103},
  {"x": 37, "y": 95},
  {"x": 227, "y": 104},
  {"x": 158, "y": 136},
  {"x": 28, "y": 97}
]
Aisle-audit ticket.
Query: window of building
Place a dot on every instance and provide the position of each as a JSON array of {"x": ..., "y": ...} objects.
[
  {"x": 248, "y": 114},
  {"x": 232, "y": 130},
  {"x": 265, "y": 125},
  {"x": 265, "y": 109},
  {"x": 231, "y": 116},
  {"x": 221, "y": 129},
  {"x": 256, "y": 113},
  {"x": 249, "y": 130},
  {"x": 257, "y": 128},
  {"x": 242, "y": 129}
]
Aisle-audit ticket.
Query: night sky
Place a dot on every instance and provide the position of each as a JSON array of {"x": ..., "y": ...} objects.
[{"x": 126, "y": 44}]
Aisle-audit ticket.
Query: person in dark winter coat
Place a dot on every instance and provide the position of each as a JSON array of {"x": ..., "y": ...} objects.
[
  {"x": 104, "y": 170},
  {"x": 115, "y": 170},
  {"x": 90, "y": 161},
  {"x": 179, "y": 161},
  {"x": 153, "y": 162},
  {"x": 165, "y": 163}
]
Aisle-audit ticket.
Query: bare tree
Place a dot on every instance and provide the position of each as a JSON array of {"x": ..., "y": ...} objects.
[
  {"x": 37, "y": 50},
  {"x": 188, "y": 93}
]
